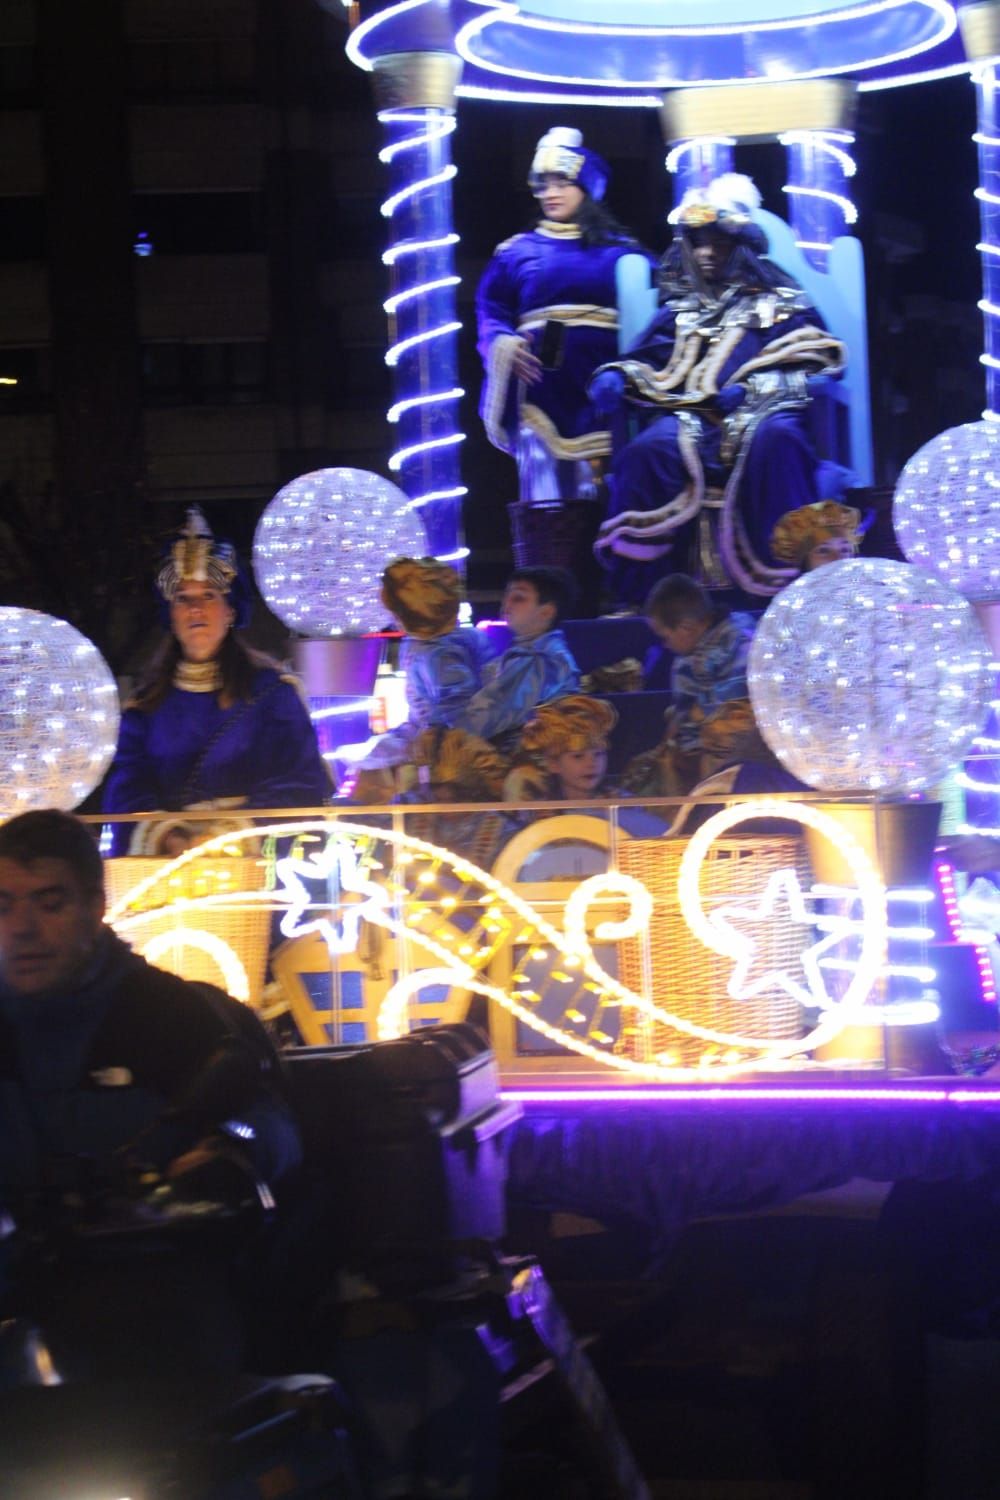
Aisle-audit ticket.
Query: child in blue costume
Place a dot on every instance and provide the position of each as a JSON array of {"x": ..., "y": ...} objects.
[
  {"x": 213, "y": 724},
  {"x": 468, "y": 761},
  {"x": 537, "y": 668},
  {"x": 556, "y": 279},
  {"x": 710, "y": 723},
  {"x": 444, "y": 664}
]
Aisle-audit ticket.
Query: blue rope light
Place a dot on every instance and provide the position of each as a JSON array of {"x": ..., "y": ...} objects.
[
  {"x": 695, "y": 162},
  {"x": 423, "y": 327},
  {"x": 987, "y": 139},
  {"x": 819, "y": 168}
]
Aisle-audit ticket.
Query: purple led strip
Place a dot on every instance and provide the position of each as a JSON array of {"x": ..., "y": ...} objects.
[{"x": 669, "y": 1094}]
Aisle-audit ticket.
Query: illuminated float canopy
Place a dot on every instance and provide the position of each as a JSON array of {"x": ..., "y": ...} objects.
[{"x": 565, "y": 49}]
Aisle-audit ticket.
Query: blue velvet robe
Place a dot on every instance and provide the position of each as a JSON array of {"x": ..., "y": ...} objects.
[
  {"x": 189, "y": 750},
  {"x": 720, "y": 389},
  {"x": 533, "y": 278}
]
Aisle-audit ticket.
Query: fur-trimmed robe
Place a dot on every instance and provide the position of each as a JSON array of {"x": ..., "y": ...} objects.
[{"x": 721, "y": 386}]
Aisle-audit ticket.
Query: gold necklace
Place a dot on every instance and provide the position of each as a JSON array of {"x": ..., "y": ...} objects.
[
  {"x": 198, "y": 676},
  {"x": 555, "y": 230}
]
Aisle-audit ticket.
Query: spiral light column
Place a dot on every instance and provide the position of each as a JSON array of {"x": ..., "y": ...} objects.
[
  {"x": 415, "y": 95},
  {"x": 694, "y": 163},
  {"x": 820, "y": 166}
]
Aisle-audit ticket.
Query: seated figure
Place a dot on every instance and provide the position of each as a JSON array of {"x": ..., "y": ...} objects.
[
  {"x": 212, "y": 724},
  {"x": 710, "y": 723},
  {"x": 564, "y": 752},
  {"x": 536, "y": 668},
  {"x": 466, "y": 758},
  {"x": 720, "y": 381},
  {"x": 812, "y": 535},
  {"x": 443, "y": 661}
]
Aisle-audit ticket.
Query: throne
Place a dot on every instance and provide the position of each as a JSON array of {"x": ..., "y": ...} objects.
[{"x": 840, "y": 415}]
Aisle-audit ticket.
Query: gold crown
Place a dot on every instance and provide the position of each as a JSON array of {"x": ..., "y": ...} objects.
[{"x": 196, "y": 554}]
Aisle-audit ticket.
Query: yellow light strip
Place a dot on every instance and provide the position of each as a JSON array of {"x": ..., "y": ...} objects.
[
  {"x": 869, "y": 887},
  {"x": 574, "y": 945},
  {"x": 231, "y": 968}
]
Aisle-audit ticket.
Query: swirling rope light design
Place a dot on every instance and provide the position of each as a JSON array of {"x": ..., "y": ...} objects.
[
  {"x": 987, "y": 140},
  {"x": 819, "y": 168},
  {"x": 423, "y": 327},
  {"x": 411, "y": 888}
]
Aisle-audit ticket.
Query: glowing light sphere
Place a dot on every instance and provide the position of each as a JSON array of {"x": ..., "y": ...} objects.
[
  {"x": 322, "y": 544},
  {"x": 869, "y": 675},
  {"x": 58, "y": 713},
  {"x": 946, "y": 510}
]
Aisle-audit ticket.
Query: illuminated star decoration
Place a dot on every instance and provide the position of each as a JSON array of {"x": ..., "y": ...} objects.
[
  {"x": 782, "y": 901},
  {"x": 339, "y": 868}
]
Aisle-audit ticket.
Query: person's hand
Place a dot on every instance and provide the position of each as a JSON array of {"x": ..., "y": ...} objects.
[
  {"x": 527, "y": 366},
  {"x": 606, "y": 392},
  {"x": 729, "y": 398},
  {"x": 214, "y": 1171}
]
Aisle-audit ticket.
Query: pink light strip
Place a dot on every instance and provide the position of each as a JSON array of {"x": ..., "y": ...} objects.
[
  {"x": 669, "y": 1095},
  {"x": 953, "y": 917}
]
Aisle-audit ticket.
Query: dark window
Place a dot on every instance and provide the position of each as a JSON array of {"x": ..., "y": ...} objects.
[
  {"x": 192, "y": 67},
  {"x": 163, "y": 373},
  {"x": 248, "y": 366},
  {"x": 200, "y": 223},
  {"x": 22, "y": 229},
  {"x": 18, "y": 75},
  {"x": 215, "y": 374}
]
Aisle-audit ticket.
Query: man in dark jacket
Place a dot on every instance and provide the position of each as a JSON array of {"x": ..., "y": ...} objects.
[{"x": 112, "y": 1072}]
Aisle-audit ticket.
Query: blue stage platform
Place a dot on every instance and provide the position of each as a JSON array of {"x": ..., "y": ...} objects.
[{"x": 654, "y": 1159}]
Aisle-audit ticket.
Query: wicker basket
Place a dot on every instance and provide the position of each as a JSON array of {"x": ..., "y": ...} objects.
[
  {"x": 187, "y": 942},
  {"x": 688, "y": 979},
  {"x": 561, "y": 534}
]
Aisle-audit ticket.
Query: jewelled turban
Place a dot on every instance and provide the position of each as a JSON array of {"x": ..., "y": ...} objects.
[
  {"x": 799, "y": 531},
  {"x": 423, "y": 595},
  {"x": 204, "y": 558},
  {"x": 562, "y": 153},
  {"x": 571, "y": 723}
]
